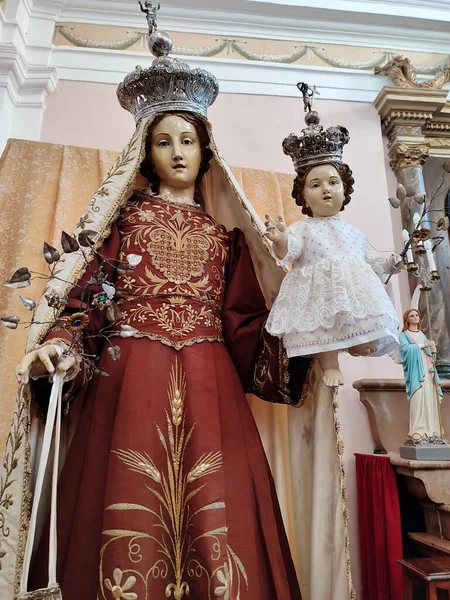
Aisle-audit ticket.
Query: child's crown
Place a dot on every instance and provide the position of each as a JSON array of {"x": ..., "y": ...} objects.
[{"x": 315, "y": 145}]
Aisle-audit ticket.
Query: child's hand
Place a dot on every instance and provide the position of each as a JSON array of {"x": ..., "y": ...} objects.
[{"x": 275, "y": 229}]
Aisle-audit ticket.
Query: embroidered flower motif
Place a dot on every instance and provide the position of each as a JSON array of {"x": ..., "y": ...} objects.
[
  {"x": 128, "y": 282},
  {"x": 145, "y": 216},
  {"x": 77, "y": 322},
  {"x": 7, "y": 501},
  {"x": 224, "y": 590},
  {"x": 84, "y": 220},
  {"x": 178, "y": 217},
  {"x": 119, "y": 591},
  {"x": 103, "y": 192},
  {"x": 208, "y": 228}
]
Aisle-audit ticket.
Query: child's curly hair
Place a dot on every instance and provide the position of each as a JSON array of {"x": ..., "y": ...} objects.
[{"x": 299, "y": 183}]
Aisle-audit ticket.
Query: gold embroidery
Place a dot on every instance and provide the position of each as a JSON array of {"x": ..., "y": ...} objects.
[
  {"x": 180, "y": 241},
  {"x": 198, "y": 339},
  {"x": 178, "y": 320},
  {"x": 117, "y": 589},
  {"x": 174, "y": 486}
]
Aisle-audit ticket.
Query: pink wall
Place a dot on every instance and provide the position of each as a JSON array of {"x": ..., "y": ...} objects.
[{"x": 249, "y": 131}]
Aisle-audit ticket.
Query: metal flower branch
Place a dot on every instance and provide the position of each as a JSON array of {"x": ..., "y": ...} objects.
[
  {"x": 98, "y": 294},
  {"x": 419, "y": 241}
]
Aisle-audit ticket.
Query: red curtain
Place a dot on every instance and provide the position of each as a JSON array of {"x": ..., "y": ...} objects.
[{"x": 380, "y": 536}]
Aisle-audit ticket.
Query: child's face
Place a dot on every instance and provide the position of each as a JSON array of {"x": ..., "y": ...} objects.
[{"x": 324, "y": 191}]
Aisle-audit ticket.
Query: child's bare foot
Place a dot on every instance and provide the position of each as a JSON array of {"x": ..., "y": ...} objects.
[
  {"x": 332, "y": 377},
  {"x": 363, "y": 349}
]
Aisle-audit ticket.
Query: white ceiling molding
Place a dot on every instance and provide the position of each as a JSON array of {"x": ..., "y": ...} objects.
[
  {"x": 23, "y": 91},
  {"x": 235, "y": 76},
  {"x": 28, "y": 85},
  {"x": 383, "y": 25}
]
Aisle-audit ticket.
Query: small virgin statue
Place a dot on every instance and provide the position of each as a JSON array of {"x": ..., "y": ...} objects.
[{"x": 423, "y": 387}]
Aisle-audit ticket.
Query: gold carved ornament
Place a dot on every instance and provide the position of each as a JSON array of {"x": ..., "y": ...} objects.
[
  {"x": 408, "y": 155},
  {"x": 404, "y": 75}
]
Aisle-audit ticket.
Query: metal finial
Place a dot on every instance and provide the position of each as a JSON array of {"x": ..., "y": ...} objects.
[
  {"x": 308, "y": 92},
  {"x": 159, "y": 42}
]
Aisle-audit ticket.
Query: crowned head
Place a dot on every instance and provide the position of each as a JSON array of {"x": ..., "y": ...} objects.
[
  {"x": 177, "y": 153},
  {"x": 317, "y": 157},
  {"x": 168, "y": 84}
]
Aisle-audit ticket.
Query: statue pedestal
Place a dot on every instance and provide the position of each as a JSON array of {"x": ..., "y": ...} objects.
[
  {"x": 388, "y": 411},
  {"x": 429, "y": 452}
]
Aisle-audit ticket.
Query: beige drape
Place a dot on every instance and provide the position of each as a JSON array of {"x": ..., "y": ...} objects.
[{"x": 43, "y": 189}]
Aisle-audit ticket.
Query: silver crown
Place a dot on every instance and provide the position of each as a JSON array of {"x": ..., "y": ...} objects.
[
  {"x": 169, "y": 84},
  {"x": 315, "y": 145}
]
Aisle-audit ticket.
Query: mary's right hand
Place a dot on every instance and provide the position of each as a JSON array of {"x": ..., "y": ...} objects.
[{"x": 42, "y": 362}]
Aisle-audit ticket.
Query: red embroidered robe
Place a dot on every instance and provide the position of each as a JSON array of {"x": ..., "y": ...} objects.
[{"x": 166, "y": 490}]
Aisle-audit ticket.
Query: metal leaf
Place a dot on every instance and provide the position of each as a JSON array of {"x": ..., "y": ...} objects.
[
  {"x": 51, "y": 254},
  {"x": 410, "y": 190},
  {"x": 420, "y": 198},
  {"x": 86, "y": 238},
  {"x": 22, "y": 274},
  {"x": 109, "y": 290},
  {"x": 134, "y": 259},
  {"x": 69, "y": 243},
  {"x": 126, "y": 331},
  {"x": 19, "y": 279},
  {"x": 98, "y": 278},
  {"x": 401, "y": 192},
  {"x": 114, "y": 352},
  {"x": 394, "y": 202},
  {"x": 29, "y": 303},
  {"x": 113, "y": 313},
  {"x": 10, "y": 322},
  {"x": 101, "y": 372}
]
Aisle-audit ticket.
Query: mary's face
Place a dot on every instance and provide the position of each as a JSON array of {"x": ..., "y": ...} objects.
[
  {"x": 176, "y": 152},
  {"x": 413, "y": 318}
]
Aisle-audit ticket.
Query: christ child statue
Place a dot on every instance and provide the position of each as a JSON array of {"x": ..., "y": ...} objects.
[{"x": 333, "y": 298}]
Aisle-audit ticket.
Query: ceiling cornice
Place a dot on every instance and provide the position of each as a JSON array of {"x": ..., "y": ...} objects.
[
  {"x": 357, "y": 23},
  {"x": 235, "y": 76}
]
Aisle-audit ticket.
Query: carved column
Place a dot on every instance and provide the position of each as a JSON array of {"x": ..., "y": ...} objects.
[{"x": 415, "y": 121}]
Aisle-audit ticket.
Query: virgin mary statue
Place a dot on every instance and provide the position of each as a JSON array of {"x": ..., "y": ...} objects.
[{"x": 165, "y": 491}]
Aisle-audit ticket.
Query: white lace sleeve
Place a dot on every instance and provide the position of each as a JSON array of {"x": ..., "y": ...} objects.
[
  {"x": 382, "y": 263},
  {"x": 295, "y": 246}
]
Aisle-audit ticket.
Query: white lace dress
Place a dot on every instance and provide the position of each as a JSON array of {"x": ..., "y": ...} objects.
[{"x": 333, "y": 297}]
